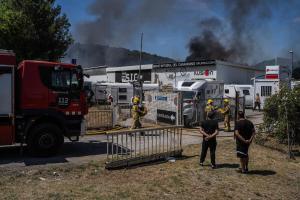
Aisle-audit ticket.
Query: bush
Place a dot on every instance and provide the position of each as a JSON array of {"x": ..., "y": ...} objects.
[{"x": 280, "y": 110}]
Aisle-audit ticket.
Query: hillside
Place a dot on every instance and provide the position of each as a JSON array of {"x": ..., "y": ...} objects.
[
  {"x": 275, "y": 61},
  {"x": 90, "y": 55}
]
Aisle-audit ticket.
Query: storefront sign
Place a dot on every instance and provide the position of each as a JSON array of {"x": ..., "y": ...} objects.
[
  {"x": 185, "y": 64},
  {"x": 130, "y": 76},
  {"x": 203, "y": 74},
  {"x": 272, "y": 72},
  {"x": 165, "y": 116},
  {"x": 161, "y": 98}
]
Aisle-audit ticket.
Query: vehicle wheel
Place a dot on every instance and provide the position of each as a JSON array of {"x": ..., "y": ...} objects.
[
  {"x": 187, "y": 123},
  {"x": 45, "y": 140}
]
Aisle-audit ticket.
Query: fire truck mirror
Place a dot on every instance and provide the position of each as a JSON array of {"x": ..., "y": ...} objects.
[{"x": 57, "y": 68}]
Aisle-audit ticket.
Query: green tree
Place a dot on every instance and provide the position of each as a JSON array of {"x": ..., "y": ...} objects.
[
  {"x": 34, "y": 29},
  {"x": 280, "y": 110},
  {"x": 296, "y": 73}
]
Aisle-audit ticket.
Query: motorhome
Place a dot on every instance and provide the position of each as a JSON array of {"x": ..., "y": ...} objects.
[
  {"x": 121, "y": 93},
  {"x": 246, "y": 91},
  {"x": 195, "y": 95}
]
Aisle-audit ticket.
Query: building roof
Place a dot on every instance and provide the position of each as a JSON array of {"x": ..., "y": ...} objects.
[
  {"x": 275, "y": 61},
  {"x": 237, "y": 65},
  {"x": 100, "y": 70},
  {"x": 127, "y": 68}
]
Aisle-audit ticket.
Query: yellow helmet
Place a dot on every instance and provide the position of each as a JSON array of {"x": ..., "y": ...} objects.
[
  {"x": 136, "y": 99},
  {"x": 209, "y": 101},
  {"x": 226, "y": 101}
]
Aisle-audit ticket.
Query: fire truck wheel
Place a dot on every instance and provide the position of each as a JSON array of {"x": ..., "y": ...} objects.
[{"x": 45, "y": 140}]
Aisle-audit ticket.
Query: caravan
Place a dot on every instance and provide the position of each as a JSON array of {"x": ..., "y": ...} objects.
[
  {"x": 246, "y": 91},
  {"x": 194, "y": 96},
  {"x": 121, "y": 93}
]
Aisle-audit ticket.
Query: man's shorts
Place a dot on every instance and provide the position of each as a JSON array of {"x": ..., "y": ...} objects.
[{"x": 242, "y": 150}]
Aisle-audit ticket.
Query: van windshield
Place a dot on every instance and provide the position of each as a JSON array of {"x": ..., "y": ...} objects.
[
  {"x": 246, "y": 92},
  {"x": 188, "y": 95}
]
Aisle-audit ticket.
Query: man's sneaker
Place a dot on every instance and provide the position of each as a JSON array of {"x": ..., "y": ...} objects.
[
  {"x": 213, "y": 166},
  {"x": 240, "y": 170},
  {"x": 201, "y": 164}
]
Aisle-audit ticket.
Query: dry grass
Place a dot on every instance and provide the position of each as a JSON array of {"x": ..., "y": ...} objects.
[
  {"x": 268, "y": 140},
  {"x": 272, "y": 177}
]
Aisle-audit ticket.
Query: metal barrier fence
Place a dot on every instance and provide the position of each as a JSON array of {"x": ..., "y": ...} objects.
[
  {"x": 131, "y": 147},
  {"x": 102, "y": 107},
  {"x": 236, "y": 104},
  {"x": 124, "y": 111},
  {"x": 97, "y": 119},
  {"x": 194, "y": 113}
]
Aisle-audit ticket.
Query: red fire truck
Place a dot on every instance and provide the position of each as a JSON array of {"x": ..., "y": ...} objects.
[{"x": 40, "y": 103}]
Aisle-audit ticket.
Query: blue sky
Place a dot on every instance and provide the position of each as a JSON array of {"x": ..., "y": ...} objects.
[{"x": 168, "y": 31}]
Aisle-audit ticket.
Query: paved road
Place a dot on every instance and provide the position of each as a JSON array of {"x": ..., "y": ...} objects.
[{"x": 91, "y": 148}]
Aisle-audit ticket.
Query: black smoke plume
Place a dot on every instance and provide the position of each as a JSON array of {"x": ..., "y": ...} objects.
[
  {"x": 208, "y": 45},
  {"x": 237, "y": 43},
  {"x": 119, "y": 22}
]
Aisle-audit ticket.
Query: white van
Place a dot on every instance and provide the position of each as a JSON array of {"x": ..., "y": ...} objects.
[{"x": 246, "y": 91}]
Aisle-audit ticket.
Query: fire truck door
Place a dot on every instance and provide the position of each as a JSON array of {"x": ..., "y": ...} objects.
[{"x": 6, "y": 105}]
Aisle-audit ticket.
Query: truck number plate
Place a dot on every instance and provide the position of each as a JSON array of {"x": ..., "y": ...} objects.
[{"x": 63, "y": 101}]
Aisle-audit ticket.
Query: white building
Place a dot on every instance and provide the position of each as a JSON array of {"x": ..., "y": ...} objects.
[
  {"x": 171, "y": 73},
  {"x": 275, "y": 77},
  {"x": 97, "y": 74},
  {"x": 229, "y": 73},
  {"x": 126, "y": 74}
]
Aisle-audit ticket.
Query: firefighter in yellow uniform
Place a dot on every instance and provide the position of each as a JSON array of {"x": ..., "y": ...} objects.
[
  {"x": 138, "y": 111},
  {"x": 209, "y": 107},
  {"x": 227, "y": 115}
]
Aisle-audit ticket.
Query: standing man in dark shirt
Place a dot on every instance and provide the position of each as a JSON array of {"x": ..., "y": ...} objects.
[
  {"x": 209, "y": 129},
  {"x": 244, "y": 133}
]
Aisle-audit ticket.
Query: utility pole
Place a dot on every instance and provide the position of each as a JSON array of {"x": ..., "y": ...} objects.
[
  {"x": 292, "y": 55},
  {"x": 140, "y": 81},
  {"x": 290, "y": 153},
  {"x": 141, "y": 49}
]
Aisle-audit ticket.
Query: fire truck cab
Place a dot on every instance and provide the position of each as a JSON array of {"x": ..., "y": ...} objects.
[{"x": 41, "y": 103}]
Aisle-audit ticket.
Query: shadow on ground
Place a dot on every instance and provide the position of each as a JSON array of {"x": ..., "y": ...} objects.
[
  {"x": 11, "y": 154},
  {"x": 262, "y": 172},
  {"x": 228, "y": 165},
  {"x": 296, "y": 153}
]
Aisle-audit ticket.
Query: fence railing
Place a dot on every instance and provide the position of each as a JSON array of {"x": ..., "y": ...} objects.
[
  {"x": 99, "y": 119},
  {"x": 131, "y": 147},
  {"x": 197, "y": 111}
]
